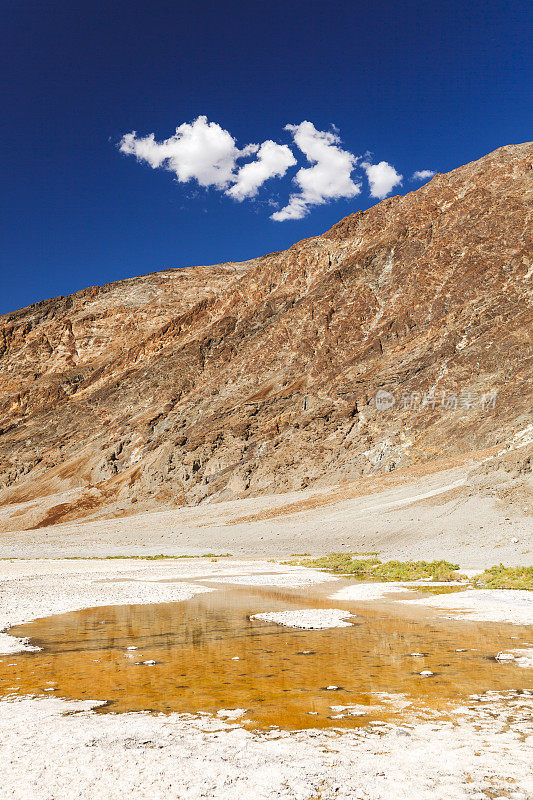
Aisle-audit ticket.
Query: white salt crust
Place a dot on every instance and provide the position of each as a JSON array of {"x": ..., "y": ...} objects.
[
  {"x": 308, "y": 618},
  {"x": 481, "y": 605},
  {"x": 54, "y": 749},
  {"x": 296, "y": 578},
  {"x": 369, "y": 591}
]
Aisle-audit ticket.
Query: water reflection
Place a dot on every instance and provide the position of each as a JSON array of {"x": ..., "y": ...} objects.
[{"x": 209, "y": 655}]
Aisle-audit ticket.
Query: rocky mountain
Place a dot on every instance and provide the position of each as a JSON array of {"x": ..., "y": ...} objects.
[{"x": 400, "y": 336}]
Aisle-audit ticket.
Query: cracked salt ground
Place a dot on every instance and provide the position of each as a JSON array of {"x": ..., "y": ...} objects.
[{"x": 208, "y": 655}]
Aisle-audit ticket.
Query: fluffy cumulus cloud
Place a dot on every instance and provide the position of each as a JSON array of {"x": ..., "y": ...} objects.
[
  {"x": 328, "y": 179},
  {"x": 199, "y": 150},
  {"x": 382, "y": 178},
  {"x": 273, "y": 160},
  {"x": 422, "y": 175},
  {"x": 204, "y": 152}
]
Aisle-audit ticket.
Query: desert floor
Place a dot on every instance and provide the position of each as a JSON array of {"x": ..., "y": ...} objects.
[{"x": 54, "y": 748}]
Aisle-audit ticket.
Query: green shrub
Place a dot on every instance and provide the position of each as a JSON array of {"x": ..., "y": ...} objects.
[
  {"x": 372, "y": 568},
  {"x": 415, "y": 570},
  {"x": 500, "y": 577}
]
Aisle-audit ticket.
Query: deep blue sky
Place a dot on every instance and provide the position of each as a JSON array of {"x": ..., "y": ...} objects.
[{"x": 420, "y": 84}]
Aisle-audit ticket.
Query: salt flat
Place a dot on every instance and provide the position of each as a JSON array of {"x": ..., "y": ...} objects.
[
  {"x": 481, "y": 749},
  {"x": 62, "y": 750}
]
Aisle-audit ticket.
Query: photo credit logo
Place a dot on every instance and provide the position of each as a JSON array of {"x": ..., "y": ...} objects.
[{"x": 383, "y": 400}]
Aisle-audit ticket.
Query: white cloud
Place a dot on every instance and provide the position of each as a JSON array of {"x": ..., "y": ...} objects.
[
  {"x": 328, "y": 179},
  {"x": 422, "y": 175},
  {"x": 382, "y": 178},
  {"x": 273, "y": 160},
  {"x": 199, "y": 150},
  {"x": 204, "y": 152}
]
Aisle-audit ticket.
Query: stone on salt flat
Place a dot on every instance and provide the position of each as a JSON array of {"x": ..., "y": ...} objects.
[{"x": 505, "y": 657}]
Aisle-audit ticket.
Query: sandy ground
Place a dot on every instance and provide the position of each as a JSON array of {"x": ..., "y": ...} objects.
[
  {"x": 53, "y": 749},
  {"x": 438, "y": 515}
]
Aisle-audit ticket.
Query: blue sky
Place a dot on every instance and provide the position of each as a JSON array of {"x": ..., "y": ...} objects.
[{"x": 419, "y": 85}]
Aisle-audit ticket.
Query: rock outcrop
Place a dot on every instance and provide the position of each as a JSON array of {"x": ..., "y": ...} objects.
[{"x": 400, "y": 336}]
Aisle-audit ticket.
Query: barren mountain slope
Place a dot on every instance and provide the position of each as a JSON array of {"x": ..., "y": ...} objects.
[{"x": 235, "y": 380}]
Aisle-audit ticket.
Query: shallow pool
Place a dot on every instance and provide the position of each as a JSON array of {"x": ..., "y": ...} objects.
[{"x": 209, "y": 656}]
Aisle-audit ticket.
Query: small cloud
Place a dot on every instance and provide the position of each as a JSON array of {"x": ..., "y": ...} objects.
[
  {"x": 422, "y": 175},
  {"x": 382, "y": 178},
  {"x": 203, "y": 151},
  {"x": 328, "y": 178},
  {"x": 200, "y": 150},
  {"x": 273, "y": 160}
]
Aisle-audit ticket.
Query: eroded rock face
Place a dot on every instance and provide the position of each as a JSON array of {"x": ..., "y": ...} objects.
[{"x": 241, "y": 379}]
